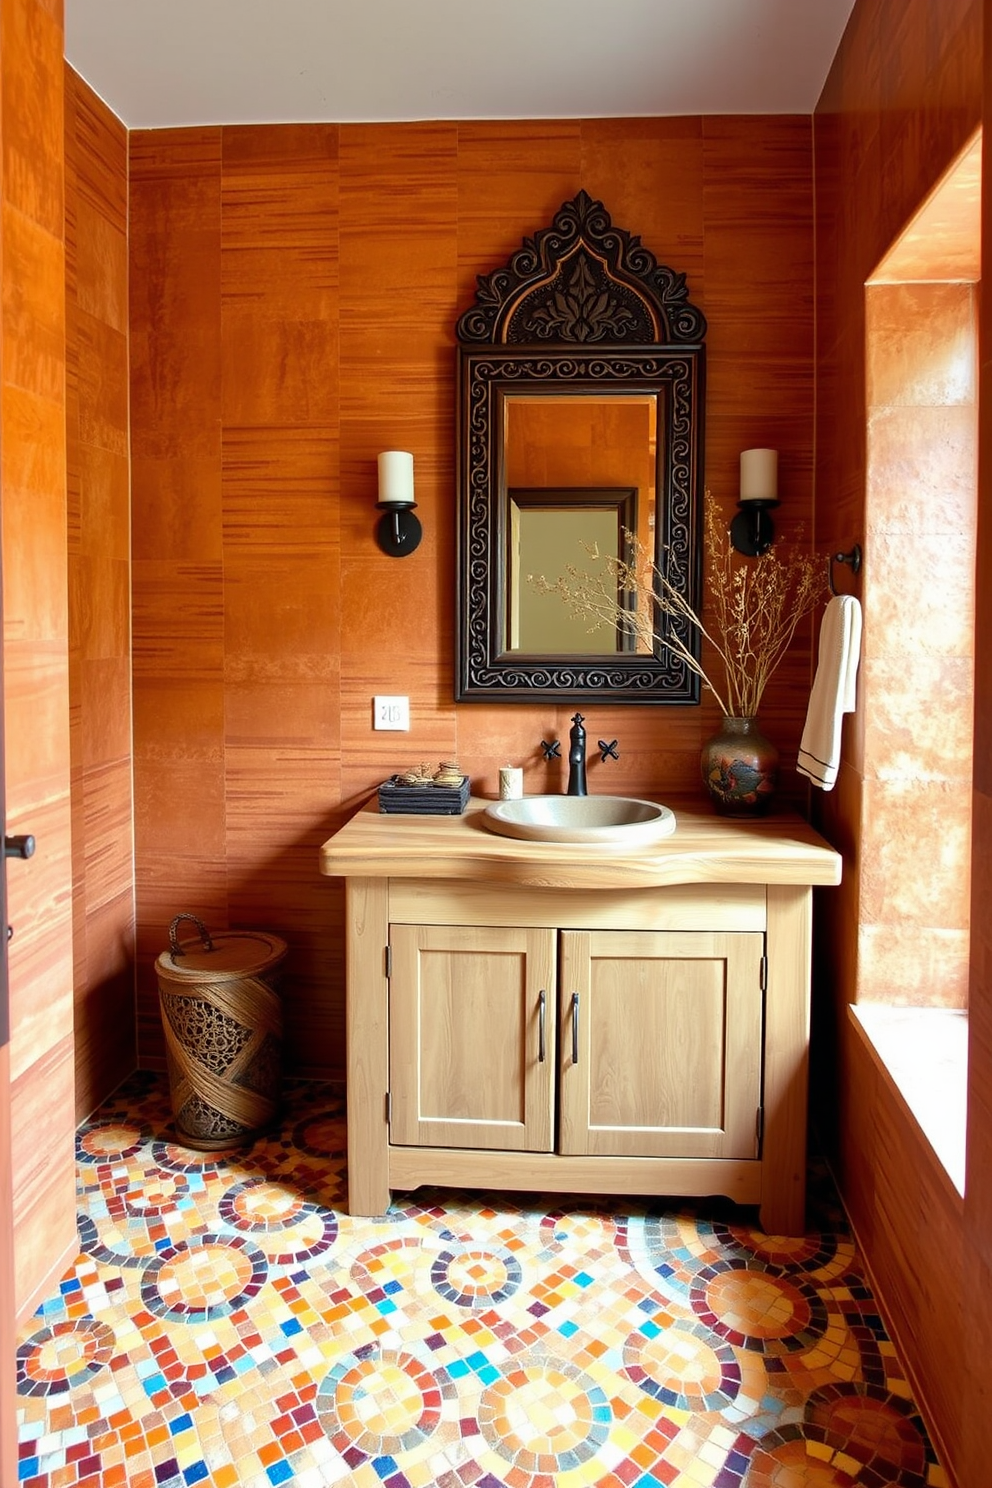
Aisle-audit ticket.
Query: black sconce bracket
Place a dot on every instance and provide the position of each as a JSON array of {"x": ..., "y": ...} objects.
[
  {"x": 752, "y": 530},
  {"x": 398, "y": 531}
]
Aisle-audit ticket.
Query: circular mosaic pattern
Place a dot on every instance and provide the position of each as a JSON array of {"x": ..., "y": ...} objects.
[
  {"x": 476, "y": 1278},
  {"x": 324, "y": 1134},
  {"x": 670, "y": 1249},
  {"x": 778, "y": 1253},
  {"x": 422, "y": 1371},
  {"x": 865, "y": 1422},
  {"x": 258, "y": 1204},
  {"x": 62, "y": 1356},
  {"x": 110, "y": 1140},
  {"x": 379, "y": 1402},
  {"x": 177, "y": 1159},
  {"x": 788, "y": 1463},
  {"x": 755, "y": 1309},
  {"x": 544, "y": 1416},
  {"x": 261, "y": 1207},
  {"x": 204, "y": 1278},
  {"x": 92, "y": 1245},
  {"x": 681, "y": 1366}
]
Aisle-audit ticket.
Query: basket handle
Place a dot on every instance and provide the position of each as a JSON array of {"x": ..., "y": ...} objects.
[{"x": 175, "y": 949}]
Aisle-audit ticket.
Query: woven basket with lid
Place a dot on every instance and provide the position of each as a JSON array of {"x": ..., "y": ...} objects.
[{"x": 222, "y": 1019}]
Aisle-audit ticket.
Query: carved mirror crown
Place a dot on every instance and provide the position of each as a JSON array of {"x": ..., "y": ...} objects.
[
  {"x": 582, "y": 310},
  {"x": 582, "y": 281}
]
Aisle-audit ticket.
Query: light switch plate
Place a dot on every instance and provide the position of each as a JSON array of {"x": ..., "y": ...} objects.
[{"x": 391, "y": 713}]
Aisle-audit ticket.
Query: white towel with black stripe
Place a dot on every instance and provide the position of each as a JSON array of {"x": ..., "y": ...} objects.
[{"x": 834, "y": 690}]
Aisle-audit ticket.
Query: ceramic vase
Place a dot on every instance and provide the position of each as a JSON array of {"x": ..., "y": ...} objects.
[{"x": 740, "y": 768}]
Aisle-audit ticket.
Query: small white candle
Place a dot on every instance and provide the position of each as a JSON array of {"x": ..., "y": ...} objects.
[
  {"x": 511, "y": 783},
  {"x": 759, "y": 475},
  {"x": 396, "y": 477}
]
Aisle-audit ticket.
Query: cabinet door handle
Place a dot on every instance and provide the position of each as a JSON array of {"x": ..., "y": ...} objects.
[
  {"x": 541, "y": 1017},
  {"x": 575, "y": 1027}
]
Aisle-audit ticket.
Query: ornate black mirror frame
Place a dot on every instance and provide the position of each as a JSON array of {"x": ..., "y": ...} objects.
[{"x": 581, "y": 308}]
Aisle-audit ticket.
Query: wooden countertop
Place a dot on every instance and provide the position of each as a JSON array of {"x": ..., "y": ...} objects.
[{"x": 704, "y": 848}]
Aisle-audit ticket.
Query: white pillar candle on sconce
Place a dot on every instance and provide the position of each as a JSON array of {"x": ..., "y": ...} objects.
[
  {"x": 752, "y": 531},
  {"x": 398, "y": 532},
  {"x": 759, "y": 475},
  {"x": 396, "y": 478}
]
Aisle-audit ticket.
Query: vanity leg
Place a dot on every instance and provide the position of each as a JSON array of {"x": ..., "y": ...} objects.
[
  {"x": 367, "y": 918},
  {"x": 787, "y": 1018}
]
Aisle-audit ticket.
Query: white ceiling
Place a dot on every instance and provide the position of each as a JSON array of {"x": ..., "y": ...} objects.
[{"x": 158, "y": 63}]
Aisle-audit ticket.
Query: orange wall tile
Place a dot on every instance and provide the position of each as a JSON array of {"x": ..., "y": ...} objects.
[
  {"x": 294, "y": 293},
  {"x": 236, "y": 596}
]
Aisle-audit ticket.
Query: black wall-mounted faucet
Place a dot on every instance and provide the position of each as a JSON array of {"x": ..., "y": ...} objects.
[
  {"x": 577, "y": 755},
  {"x": 577, "y": 758}
]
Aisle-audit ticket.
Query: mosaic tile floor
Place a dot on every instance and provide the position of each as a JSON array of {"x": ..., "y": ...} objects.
[{"x": 227, "y": 1324}]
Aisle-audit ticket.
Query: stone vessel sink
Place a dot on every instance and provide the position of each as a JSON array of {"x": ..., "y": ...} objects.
[{"x": 592, "y": 819}]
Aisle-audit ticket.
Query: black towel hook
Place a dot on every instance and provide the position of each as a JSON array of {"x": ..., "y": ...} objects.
[{"x": 853, "y": 559}]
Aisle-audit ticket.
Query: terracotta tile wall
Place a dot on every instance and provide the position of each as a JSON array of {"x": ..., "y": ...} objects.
[
  {"x": 902, "y": 100},
  {"x": 99, "y": 538},
  {"x": 294, "y": 292},
  {"x": 35, "y": 647},
  {"x": 235, "y": 519}
]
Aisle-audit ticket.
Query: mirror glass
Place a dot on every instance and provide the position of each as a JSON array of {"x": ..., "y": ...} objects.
[
  {"x": 580, "y": 482},
  {"x": 580, "y": 420}
]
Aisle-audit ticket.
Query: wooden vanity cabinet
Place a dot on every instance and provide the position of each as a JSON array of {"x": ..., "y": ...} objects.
[
  {"x": 535, "y": 1018},
  {"x": 649, "y": 1042},
  {"x": 472, "y": 1037},
  {"x": 660, "y": 1052}
]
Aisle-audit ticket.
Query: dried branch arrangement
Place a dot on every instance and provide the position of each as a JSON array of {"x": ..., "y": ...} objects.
[{"x": 756, "y": 605}]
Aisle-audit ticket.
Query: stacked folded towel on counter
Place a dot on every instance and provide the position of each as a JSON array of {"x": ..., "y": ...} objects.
[{"x": 834, "y": 690}]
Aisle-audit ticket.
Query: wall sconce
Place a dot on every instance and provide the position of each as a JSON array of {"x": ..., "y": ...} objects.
[
  {"x": 398, "y": 531},
  {"x": 752, "y": 530}
]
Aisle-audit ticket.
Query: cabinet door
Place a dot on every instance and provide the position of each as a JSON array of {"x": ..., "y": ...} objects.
[
  {"x": 660, "y": 1043},
  {"x": 472, "y": 1037}
]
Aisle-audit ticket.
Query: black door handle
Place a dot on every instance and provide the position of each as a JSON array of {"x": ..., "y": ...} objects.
[{"x": 17, "y": 847}]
